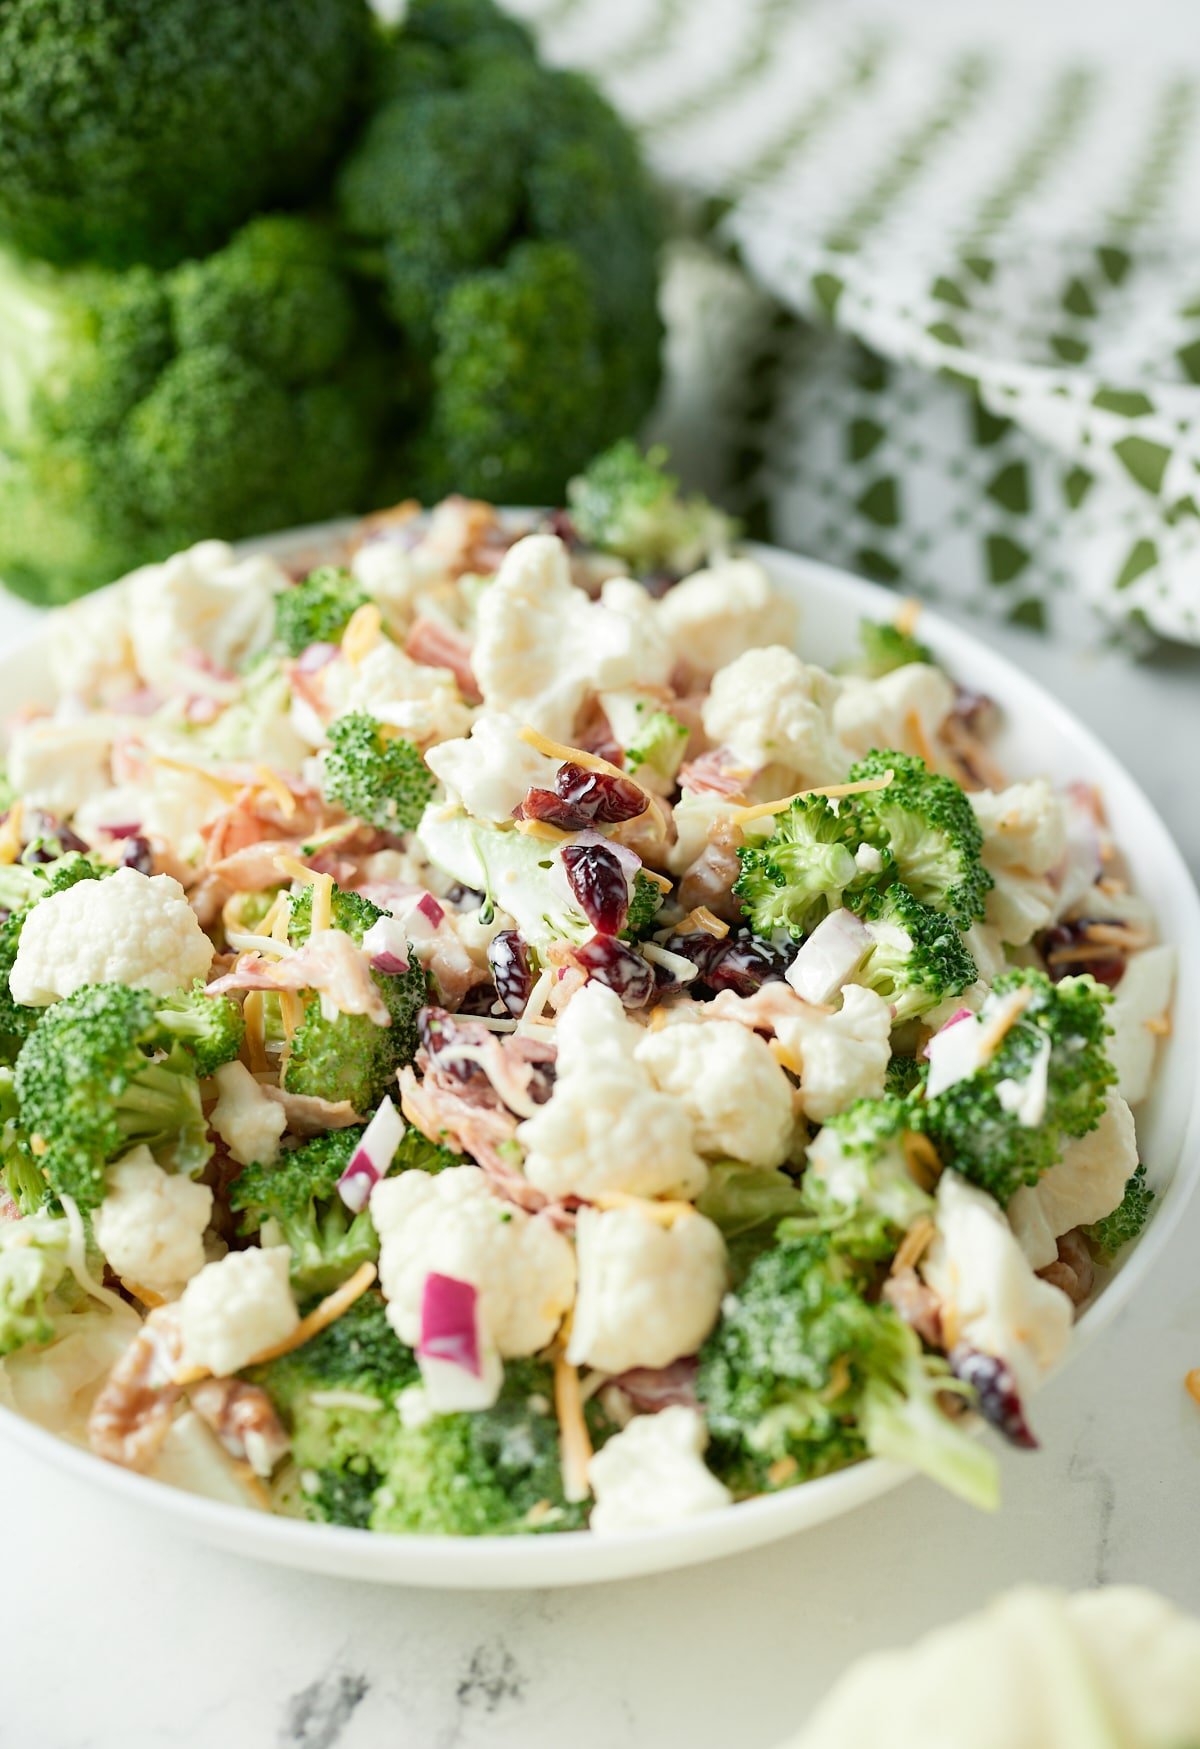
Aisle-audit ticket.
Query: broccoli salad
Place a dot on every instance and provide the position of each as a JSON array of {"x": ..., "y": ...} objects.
[{"x": 494, "y": 1041}]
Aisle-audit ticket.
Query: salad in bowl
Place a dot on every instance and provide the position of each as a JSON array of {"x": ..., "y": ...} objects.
[{"x": 494, "y": 1041}]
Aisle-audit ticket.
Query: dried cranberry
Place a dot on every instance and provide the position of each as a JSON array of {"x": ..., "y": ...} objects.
[
  {"x": 996, "y": 1393},
  {"x": 702, "y": 949},
  {"x": 49, "y": 839},
  {"x": 1062, "y": 940},
  {"x": 610, "y": 962},
  {"x": 744, "y": 964},
  {"x": 595, "y": 876},
  {"x": 560, "y": 523},
  {"x": 136, "y": 853},
  {"x": 599, "y": 795},
  {"x": 543, "y": 804},
  {"x": 508, "y": 957}
]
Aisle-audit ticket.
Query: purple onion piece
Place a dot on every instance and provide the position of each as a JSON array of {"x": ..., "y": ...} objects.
[{"x": 450, "y": 1323}]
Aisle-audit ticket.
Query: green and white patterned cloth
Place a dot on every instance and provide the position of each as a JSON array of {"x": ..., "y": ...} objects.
[{"x": 986, "y": 222}]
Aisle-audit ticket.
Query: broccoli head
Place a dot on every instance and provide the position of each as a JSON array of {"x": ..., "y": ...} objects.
[
  {"x": 1110, "y": 1235},
  {"x": 917, "y": 956},
  {"x": 145, "y": 133},
  {"x": 22, "y": 886},
  {"x": 298, "y": 1196},
  {"x": 349, "y": 1057},
  {"x": 33, "y": 1262},
  {"x": 502, "y": 213},
  {"x": 803, "y": 1376},
  {"x": 212, "y": 1027},
  {"x": 927, "y": 832},
  {"x": 628, "y": 504},
  {"x": 794, "y": 878},
  {"x": 645, "y": 903},
  {"x": 376, "y": 773},
  {"x": 858, "y": 1185},
  {"x": 317, "y": 610},
  {"x": 976, "y": 1124},
  {"x": 140, "y": 412},
  {"x": 884, "y": 647},
  {"x": 103, "y": 1072}
]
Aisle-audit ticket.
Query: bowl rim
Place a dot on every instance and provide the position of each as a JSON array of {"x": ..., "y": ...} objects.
[{"x": 578, "y": 1557}]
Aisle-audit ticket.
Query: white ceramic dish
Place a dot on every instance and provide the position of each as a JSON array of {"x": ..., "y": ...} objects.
[{"x": 1038, "y": 736}]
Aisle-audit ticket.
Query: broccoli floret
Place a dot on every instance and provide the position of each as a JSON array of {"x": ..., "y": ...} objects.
[
  {"x": 212, "y": 1027},
  {"x": 644, "y": 905},
  {"x": 803, "y": 1376},
  {"x": 318, "y": 610},
  {"x": 417, "y": 1153},
  {"x": 33, "y": 1261},
  {"x": 928, "y": 834},
  {"x": 658, "y": 745},
  {"x": 502, "y": 210},
  {"x": 132, "y": 133},
  {"x": 905, "y": 1075},
  {"x": 101, "y": 1074},
  {"x": 141, "y": 411},
  {"x": 917, "y": 956},
  {"x": 21, "y": 1175},
  {"x": 858, "y": 1185},
  {"x": 884, "y": 649},
  {"x": 379, "y": 776},
  {"x": 22, "y": 886},
  {"x": 975, "y": 1124},
  {"x": 799, "y": 874},
  {"x": 298, "y": 1196},
  {"x": 1111, "y": 1234},
  {"x": 627, "y": 503},
  {"x": 349, "y": 1057}
]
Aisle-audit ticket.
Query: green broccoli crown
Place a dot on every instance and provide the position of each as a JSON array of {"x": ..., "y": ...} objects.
[
  {"x": 858, "y": 1185},
  {"x": 627, "y": 503},
  {"x": 212, "y": 1027},
  {"x": 502, "y": 209},
  {"x": 100, "y": 1075},
  {"x": 130, "y": 133},
  {"x": 884, "y": 648},
  {"x": 803, "y": 1375},
  {"x": 794, "y": 878},
  {"x": 927, "y": 831},
  {"x": 138, "y": 412},
  {"x": 973, "y": 1128},
  {"x": 299, "y": 1195},
  {"x": 1111, "y": 1234},
  {"x": 318, "y": 610},
  {"x": 417, "y": 1153},
  {"x": 905, "y": 1076},
  {"x": 644, "y": 905},
  {"x": 33, "y": 1261},
  {"x": 917, "y": 956},
  {"x": 380, "y": 777},
  {"x": 22, "y": 886},
  {"x": 349, "y": 1057}
]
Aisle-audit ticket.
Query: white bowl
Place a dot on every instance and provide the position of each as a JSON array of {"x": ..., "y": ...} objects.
[{"x": 1038, "y": 737}]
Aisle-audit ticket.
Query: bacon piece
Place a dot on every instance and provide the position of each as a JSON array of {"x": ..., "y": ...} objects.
[
  {"x": 709, "y": 880},
  {"x": 479, "y": 1129},
  {"x": 132, "y": 1416},
  {"x": 329, "y": 963},
  {"x": 244, "y": 1420},
  {"x": 715, "y": 773},
  {"x": 437, "y": 646},
  {"x": 917, "y": 1304}
]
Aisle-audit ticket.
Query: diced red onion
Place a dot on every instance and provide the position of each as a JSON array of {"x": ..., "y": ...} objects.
[
  {"x": 429, "y": 908},
  {"x": 629, "y": 860},
  {"x": 371, "y": 1159},
  {"x": 959, "y": 1014},
  {"x": 386, "y": 945},
  {"x": 832, "y": 952},
  {"x": 450, "y": 1323},
  {"x": 126, "y": 829}
]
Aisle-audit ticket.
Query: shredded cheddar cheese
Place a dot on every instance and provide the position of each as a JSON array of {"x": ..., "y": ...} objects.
[
  {"x": 784, "y": 1056},
  {"x": 295, "y": 870},
  {"x": 226, "y": 786},
  {"x": 703, "y": 919},
  {"x": 658, "y": 880},
  {"x": 275, "y": 787},
  {"x": 542, "y": 829},
  {"x": 922, "y": 1159},
  {"x": 1159, "y": 1025},
  {"x": 1001, "y": 1023},
  {"x": 322, "y": 902},
  {"x": 362, "y": 633},
  {"x": 781, "y": 1471},
  {"x": 146, "y": 1295},
  {"x": 574, "y": 1438},
  {"x": 916, "y": 730},
  {"x": 914, "y": 1244},
  {"x": 10, "y": 833},
  {"x": 1192, "y": 1381},
  {"x": 666, "y": 1213},
  {"x": 256, "y": 1043},
  {"x": 907, "y": 615},
  {"x": 863, "y": 787}
]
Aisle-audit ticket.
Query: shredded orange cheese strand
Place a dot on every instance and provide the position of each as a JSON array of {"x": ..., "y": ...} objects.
[
  {"x": 275, "y": 787},
  {"x": 146, "y": 1295},
  {"x": 1192, "y": 1381},
  {"x": 781, "y": 1471},
  {"x": 1010, "y": 1011},
  {"x": 785, "y": 1056},
  {"x": 907, "y": 615},
  {"x": 665, "y": 1213},
  {"x": 1159, "y": 1025},
  {"x": 703, "y": 919},
  {"x": 362, "y": 633},
  {"x": 10, "y": 834},
  {"x": 914, "y": 1244},
  {"x": 322, "y": 902},
  {"x": 227, "y": 786},
  {"x": 295, "y": 870},
  {"x": 593, "y": 762},
  {"x": 256, "y": 1045},
  {"x": 320, "y": 1318},
  {"x": 916, "y": 729},
  {"x": 922, "y": 1159},
  {"x": 660, "y": 881},
  {"x": 863, "y": 787},
  {"x": 541, "y": 829},
  {"x": 575, "y": 1441}
]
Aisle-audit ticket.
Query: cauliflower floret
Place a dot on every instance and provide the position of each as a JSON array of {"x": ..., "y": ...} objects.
[
  {"x": 1140, "y": 1009},
  {"x": 904, "y": 710},
  {"x": 204, "y": 603},
  {"x": 1024, "y": 839},
  {"x": 91, "y": 649},
  {"x": 236, "y": 1308},
  {"x": 725, "y": 1078},
  {"x": 880, "y": 1181},
  {"x": 522, "y": 1268},
  {"x": 594, "y": 1029},
  {"x": 990, "y": 1297},
  {"x": 718, "y": 614},
  {"x": 1084, "y": 1186},
  {"x": 608, "y": 1129},
  {"x": 168, "y": 805},
  {"x": 59, "y": 765},
  {"x": 648, "y": 1294},
  {"x": 130, "y": 928},
  {"x": 422, "y": 702},
  {"x": 248, "y": 1121},
  {"x": 151, "y": 1223},
  {"x": 541, "y": 646},
  {"x": 489, "y": 773},
  {"x": 772, "y": 709},
  {"x": 839, "y": 1057},
  {"x": 653, "y": 1472}
]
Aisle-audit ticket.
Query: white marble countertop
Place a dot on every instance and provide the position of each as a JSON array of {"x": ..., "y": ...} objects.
[{"x": 115, "y": 1633}]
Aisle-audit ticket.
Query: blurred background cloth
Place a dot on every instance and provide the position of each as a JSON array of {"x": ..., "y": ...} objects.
[{"x": 982, "y": 376}]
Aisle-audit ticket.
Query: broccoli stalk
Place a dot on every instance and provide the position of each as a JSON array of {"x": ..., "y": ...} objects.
[
  {"x": 318, "y": 610},
  {"x": 1110, "y": 1235},
  {"x": 927, "y": 832},
  {"x": 976, "y": 1124},
  {"x": 297, "y": 1202},
  {"x": 376, "y": 774},
  {"x": 628, "y": 504},
  {"x": 917, "y": 956},
  {"x": 100, "y": 1075},
  {"x": 794, "y": 878}
]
